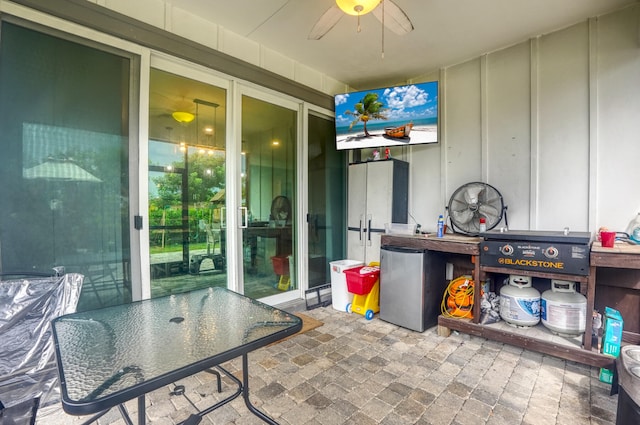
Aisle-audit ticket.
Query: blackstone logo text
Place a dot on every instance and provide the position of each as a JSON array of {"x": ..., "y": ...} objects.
[{"x": 531, "y": 263}]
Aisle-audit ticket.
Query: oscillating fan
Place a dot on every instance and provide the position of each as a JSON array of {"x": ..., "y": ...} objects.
[
  {"x": 473, "y": 201},
  {"x": 280, "y": 210}
]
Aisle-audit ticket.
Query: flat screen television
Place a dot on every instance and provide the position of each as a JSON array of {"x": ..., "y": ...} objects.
[{"x": 386, "y": 117}]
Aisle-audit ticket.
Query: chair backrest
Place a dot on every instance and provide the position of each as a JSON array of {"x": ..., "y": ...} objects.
[{"x": 27, "y": 306}]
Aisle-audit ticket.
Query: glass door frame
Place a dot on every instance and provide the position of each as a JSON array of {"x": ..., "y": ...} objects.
[
  {"x": 235, "y": 90},
  {"x": 308, "y": 109},
  {"x": 191, "y": 71},
  {"x": 137, "y": 131},
  {"x": 234, "y": 196},
  {"x": 138, "y": 147}
]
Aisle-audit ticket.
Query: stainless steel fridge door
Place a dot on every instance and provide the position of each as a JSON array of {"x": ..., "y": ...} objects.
[{"x": 402, "y": 286}]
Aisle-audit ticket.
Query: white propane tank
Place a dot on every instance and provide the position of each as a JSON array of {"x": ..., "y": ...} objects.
[
  {"x": 562, "y": 310},
  {"x": 520, "y": 302}
]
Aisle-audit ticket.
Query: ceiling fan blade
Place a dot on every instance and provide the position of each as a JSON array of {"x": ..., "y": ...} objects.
[
  {"x": 394, "y": 18},
  {"x": 325, "y": 23}
]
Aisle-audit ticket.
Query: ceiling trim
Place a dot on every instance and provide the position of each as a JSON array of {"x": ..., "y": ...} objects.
[{"x": 118, "y": 25}]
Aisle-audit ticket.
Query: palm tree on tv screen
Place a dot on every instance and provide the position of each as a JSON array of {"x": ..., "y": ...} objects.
[{"x": 367, "y": 109}]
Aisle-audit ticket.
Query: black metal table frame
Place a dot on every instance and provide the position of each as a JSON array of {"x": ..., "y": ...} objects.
[
  {"x": 101, "y": 407},
  {"x": 243, "y": 388}
]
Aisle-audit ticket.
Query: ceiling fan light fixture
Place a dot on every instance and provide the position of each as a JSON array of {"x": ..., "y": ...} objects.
[
  {"x": 357, "y": 7},
  {"x": 183, "y": 117}
]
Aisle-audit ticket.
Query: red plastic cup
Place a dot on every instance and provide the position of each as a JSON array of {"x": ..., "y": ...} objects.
[{"x": 607, "y": 239}]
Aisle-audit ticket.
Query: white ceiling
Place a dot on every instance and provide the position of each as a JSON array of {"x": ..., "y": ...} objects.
[{"x": 446, "y": 32}]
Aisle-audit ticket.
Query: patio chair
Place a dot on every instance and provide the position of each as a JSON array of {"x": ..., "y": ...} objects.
[{"x": 28, "y": 374}]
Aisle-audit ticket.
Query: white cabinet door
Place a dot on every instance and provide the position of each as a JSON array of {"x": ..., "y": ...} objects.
[
  {"x": 357, "y": 195},
  {"x": 372, "y": 251},
  {"x": 370, "y": 207},
  {"x": 355, "y": 245},
  {"x": 379, "y": 193},
  {"x": 356, "y": 211}
]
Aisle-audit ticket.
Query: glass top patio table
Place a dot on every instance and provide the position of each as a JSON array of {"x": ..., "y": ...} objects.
[{"x": 111, "y": 355}]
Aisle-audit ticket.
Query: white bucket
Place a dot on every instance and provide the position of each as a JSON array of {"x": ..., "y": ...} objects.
[{"x": 340, "y": 296}]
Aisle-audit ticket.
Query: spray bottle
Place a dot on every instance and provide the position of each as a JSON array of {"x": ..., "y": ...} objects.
[
  {"x": 440, "y": 226},
  {"x": 633, "y": 230}
]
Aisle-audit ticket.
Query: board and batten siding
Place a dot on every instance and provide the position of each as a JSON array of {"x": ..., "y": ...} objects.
[{"x": 553, "y": 123}]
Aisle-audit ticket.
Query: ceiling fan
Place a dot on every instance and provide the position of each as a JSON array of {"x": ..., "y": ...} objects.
[{"x": 387, "y": 12}]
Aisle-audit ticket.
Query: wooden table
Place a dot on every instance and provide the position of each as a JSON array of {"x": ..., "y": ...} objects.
[
  {"x": 465, "y": 246},
  {"x": 620, "y": 265},
  {"x": 469, "y": 247}
]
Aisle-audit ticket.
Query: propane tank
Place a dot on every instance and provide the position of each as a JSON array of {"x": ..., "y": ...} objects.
[
  {"x": 562, "y": 310},
  {"x": 520, "y": 302}
]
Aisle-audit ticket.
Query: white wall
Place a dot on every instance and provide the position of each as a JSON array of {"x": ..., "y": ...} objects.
[
  {"x": 552, "y": 123},
  {"x": 163, "y": 14},
  {"x": 617, "y": 130}
]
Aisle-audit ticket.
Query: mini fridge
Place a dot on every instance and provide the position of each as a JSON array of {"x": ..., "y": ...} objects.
[{"x": 412, "y": 283}]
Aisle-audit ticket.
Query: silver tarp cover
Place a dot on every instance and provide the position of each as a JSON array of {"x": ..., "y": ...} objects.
[{"x": 27, "y": 366}]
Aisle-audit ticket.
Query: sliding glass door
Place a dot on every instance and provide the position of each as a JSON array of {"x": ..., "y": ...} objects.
[
  {"x": 326, "y": 198},
  {"x": 65, "y": 141},
  {"x": 187, "y": 166},
  {"x": 148, "y": 174},
  {"x": 198, "y": 235},
  {"x": 267, "y": 219}
]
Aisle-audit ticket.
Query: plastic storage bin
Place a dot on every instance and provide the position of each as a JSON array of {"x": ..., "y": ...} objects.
[
  {"x": 280, "y": 265},
  {"x": 340, "y": 296},
  {"x": 281, "y": 268},
  {"x": 360, "y": 280},
  {"x": 400, "y": 229},
  {"x": 364, "y": 283}
]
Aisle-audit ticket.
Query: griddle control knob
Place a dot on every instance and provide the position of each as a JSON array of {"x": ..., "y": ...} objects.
[
  {"x": 551, "y": 252},
  {"x": 506, "y": 250}
]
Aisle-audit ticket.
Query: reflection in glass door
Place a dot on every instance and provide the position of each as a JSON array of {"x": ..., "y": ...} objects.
[
  {"x": 186, "y": 184},
  {"x": 66, "y": 106},
  {"x": 326, "y": 199},
  {"x": 269, "y": 134}
]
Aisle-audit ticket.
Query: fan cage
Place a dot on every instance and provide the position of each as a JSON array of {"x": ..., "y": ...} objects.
[
  {"x": 489, "y": 199},
  {"x": 280, "y": 209}
]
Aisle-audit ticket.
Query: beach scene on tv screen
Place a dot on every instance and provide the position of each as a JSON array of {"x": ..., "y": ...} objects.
[{"x": 392, "y": 116}]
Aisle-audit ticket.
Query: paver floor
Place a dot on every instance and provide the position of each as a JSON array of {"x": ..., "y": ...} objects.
[{"x": 354, "y": 371}]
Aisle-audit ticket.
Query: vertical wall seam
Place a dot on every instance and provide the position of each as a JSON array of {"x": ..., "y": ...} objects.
[
  {"x": 534, "y": 135},
  {"x": 484, "y": 118},
  {"x": 442, "y": 124},
  {"x": 592, "y": 218}
]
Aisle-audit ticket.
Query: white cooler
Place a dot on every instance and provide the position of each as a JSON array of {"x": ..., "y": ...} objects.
[{"x": 340, "y": 296}]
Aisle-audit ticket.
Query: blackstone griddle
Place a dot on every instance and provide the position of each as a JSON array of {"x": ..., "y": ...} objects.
[{"x": 564, "y": 252}]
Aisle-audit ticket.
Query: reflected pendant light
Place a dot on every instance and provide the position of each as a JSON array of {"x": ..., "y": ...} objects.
[{"x": 183, "y": 117}]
